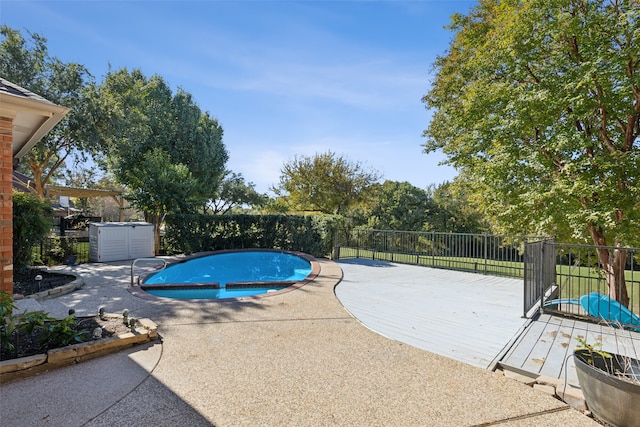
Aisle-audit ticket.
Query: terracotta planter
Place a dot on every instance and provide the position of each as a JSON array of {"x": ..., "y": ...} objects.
[{"x": 611, "y": 398}]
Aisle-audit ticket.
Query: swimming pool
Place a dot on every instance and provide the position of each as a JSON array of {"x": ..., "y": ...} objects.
[{"x": 229, "y": 274}]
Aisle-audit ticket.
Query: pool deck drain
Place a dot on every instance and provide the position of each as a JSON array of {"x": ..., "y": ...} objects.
[{"x": 296, "y": 358}]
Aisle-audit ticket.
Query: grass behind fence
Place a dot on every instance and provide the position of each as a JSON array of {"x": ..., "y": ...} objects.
[{"x": 475, "y": 265}]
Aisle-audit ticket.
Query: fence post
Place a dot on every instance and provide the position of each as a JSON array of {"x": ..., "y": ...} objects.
[
  {"x": 525, "y": 275},
  {"x": 393, "y": 244},
  {"x": 433, "y": 248},
  {"x": 485, "y": 252}
]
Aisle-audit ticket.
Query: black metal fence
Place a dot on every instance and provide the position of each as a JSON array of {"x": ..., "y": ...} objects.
[
  {"x": 575, "y": 280},
  {"x": 478, "y": 253},
  {"x": 558, "y": 278},
  {"x": 62, "y": 250}
]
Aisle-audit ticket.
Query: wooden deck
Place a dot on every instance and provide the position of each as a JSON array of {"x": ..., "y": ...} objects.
[
  {"x": 545, "y": 346},
  {"x": 470, "y": 317}
]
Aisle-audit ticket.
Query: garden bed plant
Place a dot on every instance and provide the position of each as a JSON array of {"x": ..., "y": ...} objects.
[{"x": 35, "y": 332}]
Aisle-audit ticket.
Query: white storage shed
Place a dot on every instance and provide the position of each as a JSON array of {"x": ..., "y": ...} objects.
[{"x": 116, "y": 241}]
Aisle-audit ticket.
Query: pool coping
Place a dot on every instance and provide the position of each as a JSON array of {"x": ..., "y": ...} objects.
[{"x": 139, "y": 292}]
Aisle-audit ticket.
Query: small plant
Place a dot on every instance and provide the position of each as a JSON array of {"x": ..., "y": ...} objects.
[
  {"x": 592, "y": 349},
  {"x": 617, "y": 365},
  {"x": 62, "y": 250},
  {"x": 58, "y": 333},
  {"x": 35, "y": 327},
  {"x": 9, "y": 322}
]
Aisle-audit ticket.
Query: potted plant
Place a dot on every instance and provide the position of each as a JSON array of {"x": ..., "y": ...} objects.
[{"x": 610, "y": 384}]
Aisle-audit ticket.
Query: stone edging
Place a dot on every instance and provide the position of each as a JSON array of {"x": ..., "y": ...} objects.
[
  {"x": 75, "y": 284},
  {"x": 76, "y": 353}
]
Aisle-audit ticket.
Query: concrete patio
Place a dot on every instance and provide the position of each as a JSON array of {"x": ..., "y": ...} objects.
[{"x": 297, "y": 358}]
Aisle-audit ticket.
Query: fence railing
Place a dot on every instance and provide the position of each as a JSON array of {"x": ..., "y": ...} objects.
[
  {"x": 568, "y": 274},
  {"x": 62, "y": 250},
  {"x": 479, "y": 253},
  {"x": 539, "y": 277},
  {"x": 556, "y": 276}
]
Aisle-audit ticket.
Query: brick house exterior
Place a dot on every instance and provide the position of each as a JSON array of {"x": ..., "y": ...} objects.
[{"x": 24, "y": 119}]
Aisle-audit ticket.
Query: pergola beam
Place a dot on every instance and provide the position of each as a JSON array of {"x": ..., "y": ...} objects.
[{"x": 58, "y": 190}]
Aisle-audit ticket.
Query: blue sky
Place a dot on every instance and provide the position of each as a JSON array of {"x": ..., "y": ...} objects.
[{"x": 284, "y": 78}]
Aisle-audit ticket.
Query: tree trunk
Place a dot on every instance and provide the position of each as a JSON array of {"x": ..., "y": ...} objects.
[
  {"x": 156, "y": 220},
  {"x": 613, "y": 266}
]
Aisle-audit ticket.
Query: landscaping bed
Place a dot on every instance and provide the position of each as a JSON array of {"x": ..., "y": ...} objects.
[{"x": 32, "y": 342}]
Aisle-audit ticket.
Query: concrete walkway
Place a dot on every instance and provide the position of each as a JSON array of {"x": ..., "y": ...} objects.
[{"x": 295, "y": 359}]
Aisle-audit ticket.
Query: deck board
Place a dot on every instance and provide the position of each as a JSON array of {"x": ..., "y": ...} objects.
[
  {"x": 465, "y": 316},
  {"x": 565, "y": 332},
  {"x": 470, "y": 317}
]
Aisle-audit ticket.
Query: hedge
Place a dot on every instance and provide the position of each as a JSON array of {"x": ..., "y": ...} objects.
[{"x": 190, "y": 233}]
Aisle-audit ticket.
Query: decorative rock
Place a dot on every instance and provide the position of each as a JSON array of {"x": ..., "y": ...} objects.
[{"x": 149, "y": 326}]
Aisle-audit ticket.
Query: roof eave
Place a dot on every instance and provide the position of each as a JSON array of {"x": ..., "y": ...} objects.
[{"x": 42, "y": 117}]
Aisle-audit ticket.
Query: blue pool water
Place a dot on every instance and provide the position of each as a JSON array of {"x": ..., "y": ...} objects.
[
  {"x": 255, "y": 267},
  {"x": 210, "y": 293}
]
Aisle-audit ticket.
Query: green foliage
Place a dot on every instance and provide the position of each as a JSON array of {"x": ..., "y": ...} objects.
[
  {"x": 31, "y": 222},
  {"x": 235, "y": 193},
  {"x": 592, "y": 349},
  {"x": 396, "y": 206},
  {"x": 50, "y": 332},
  {"x": 160, "y": 145},
  {"x": 536, "y": 102},
  {"x": 27, "y": 63},
  {"x": 312, "y": 234},
  {"x": 58, "y": 333},
  {"x": 326, "y": 183},
  {"x": 455, "y": 211},
  {"x": 62, "y": 249},
  {"x": 401, "y": 206},
  {"x": 9, "y": 322}
]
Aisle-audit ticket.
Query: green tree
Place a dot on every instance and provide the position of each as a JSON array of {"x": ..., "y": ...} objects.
[
  {"x": 454, "y": 210},
  {"x": 161, "y": 146},
  {"x": 31, "y": 222},
  {"x": 538, "y": 102},
  {"x": 234, "y": 192},
  {"x": 29, "y": 65},
  {"x": 397, "y": 206},
  {"x": 324, "y": 182}
]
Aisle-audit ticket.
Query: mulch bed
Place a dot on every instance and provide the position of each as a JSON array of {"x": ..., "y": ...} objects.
[
  {"x": 29, "y": 345},
  {"x": 25, "y": 284}
]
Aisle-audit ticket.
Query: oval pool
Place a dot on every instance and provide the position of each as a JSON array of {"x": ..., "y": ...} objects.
[{"x": 229, "y": 274}]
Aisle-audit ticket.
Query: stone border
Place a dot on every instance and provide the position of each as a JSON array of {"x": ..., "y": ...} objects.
[
  {"x": 56, "y": 358},
  {"x": 75, "y": 284}
]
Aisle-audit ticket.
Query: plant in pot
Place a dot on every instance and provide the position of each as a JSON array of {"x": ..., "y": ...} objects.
[{"x": 610, "y": 384}]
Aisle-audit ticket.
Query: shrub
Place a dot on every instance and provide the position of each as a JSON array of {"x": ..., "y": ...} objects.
[
  {"x": 189, "y": 233},
  {"x": 31, "y": 222}
]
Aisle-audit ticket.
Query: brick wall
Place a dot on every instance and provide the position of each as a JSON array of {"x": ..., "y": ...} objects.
[{"x": 6, "y": 205}]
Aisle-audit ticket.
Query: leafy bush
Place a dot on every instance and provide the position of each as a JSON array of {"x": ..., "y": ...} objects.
[
  {"x": 9, "y": 322},
  {"x": 49, "y": 332},
  {"x": 189, "y": 233},
  {"x": 31, "y": 222}
]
